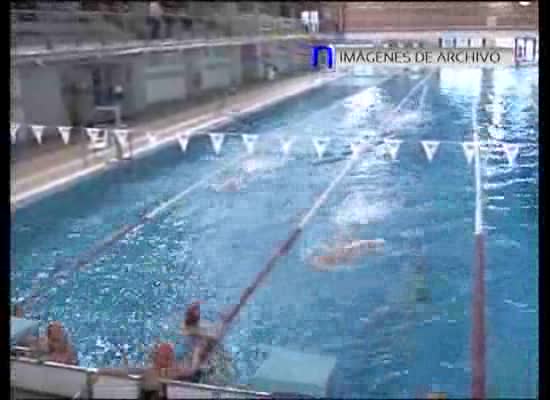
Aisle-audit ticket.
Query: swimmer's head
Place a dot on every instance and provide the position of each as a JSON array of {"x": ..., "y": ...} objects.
[
  {"x": 164, "y": 356},
  {"x": 57, "y": 336},
  {"x": 193, "y": 314}
]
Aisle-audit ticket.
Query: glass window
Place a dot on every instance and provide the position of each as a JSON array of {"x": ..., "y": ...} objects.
[{"x": 245, "y": 7}]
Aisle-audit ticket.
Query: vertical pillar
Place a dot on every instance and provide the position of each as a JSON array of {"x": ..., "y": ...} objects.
[{"x": 340, "y": 18}]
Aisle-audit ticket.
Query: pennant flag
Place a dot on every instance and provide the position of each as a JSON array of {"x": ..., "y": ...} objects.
[
  {"x": 320, "y": 144},
  {"x": 38, "y": 130},
  {"x": 469, "y": 149},
  {"x": 357, "y": 146},
  {"x": 392, "y": 147},
  {"x": 13, "y": 131},
  {"x": 97, "y": 142},
  {"x": 65, "y": 132},
  {"x": 286, "y": 142},
  {"x": 183, "y": 140},
  {"x": 121, "y": 136},
  {"x": 217, "y": 141},
  {"x": 511, "y": 150},
  {"x": 495, "y": 132},
  {"x": 430, "y": 147},
  {"x": 93, "y": 133},
  {"x": 250, "y": 142},
  {"x": 152, "y": 138}
]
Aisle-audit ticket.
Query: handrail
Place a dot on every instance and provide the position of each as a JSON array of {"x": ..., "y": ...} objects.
[
  {"x": 94, "y": 373},
  {"x": 52, "y": 29}
]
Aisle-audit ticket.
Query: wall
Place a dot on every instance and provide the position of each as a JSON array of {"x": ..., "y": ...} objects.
[
  {"x": 41, "y": 96},
  {"x": 149, "y": 79},
  {"x": 385, "y": 16}
]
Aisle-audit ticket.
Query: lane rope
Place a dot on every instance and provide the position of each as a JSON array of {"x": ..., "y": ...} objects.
[
  {"x": 478, "y": 347},
  {"x": 284, "y": 248}
]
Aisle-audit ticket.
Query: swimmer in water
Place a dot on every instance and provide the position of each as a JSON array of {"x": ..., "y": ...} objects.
[
  {"x": 345, "y": 251},
  {"x": 233, "y": 184}
]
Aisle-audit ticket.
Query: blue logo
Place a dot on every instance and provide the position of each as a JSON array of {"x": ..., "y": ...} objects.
[{"x": 316, "y": 51}]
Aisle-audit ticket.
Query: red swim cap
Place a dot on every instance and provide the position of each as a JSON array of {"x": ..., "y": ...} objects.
[{"x": 164, "y": 355}]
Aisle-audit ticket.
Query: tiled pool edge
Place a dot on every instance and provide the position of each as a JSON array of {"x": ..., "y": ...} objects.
[{"x": 144, "y": 148}]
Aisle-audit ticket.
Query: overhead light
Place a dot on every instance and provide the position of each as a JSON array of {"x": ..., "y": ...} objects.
[{"x": 524, "y": 3}]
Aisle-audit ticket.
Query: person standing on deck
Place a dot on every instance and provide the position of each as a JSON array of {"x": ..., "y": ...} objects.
[{"x": 155, "y": 19}]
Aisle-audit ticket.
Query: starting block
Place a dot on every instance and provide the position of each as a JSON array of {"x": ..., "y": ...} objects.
[
  {"x": 287, "y": 371},
  {"x": 20, "y": 328}
]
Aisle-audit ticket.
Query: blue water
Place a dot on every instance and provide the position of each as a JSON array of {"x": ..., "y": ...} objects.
[{"x": 210, "y": 245}]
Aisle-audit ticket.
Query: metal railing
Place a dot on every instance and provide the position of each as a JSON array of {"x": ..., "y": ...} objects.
[
  {"x": 55, "y": 29},
  {"x": 52, "y": 379}
]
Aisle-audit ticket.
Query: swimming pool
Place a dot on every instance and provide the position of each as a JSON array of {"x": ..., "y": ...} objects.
[{"x": 211, "y": 244}]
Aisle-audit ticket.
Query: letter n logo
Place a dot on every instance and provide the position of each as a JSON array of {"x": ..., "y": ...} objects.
[{"x": 316, "y": 58}]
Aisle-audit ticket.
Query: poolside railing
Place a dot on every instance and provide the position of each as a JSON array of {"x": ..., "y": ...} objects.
[
  {"x": 57, "y": 29},
  {"x": 31, "y": 375}
]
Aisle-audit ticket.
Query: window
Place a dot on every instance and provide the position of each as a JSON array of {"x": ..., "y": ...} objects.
[
  {"x": 285, "y": 10},
  {"x": 245, "y": 7}
]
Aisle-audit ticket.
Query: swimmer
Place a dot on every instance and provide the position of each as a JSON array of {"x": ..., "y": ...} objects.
[
  {"x": 55, "y": 346},
  {"x": 346, "y": 253},
  {"x": 200, "y": 336},
  {"x": 233, "y": 184},
  {"x": 164, "y": 366}
]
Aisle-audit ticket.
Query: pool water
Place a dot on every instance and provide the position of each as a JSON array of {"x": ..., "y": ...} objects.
[{"x": 211, "y": 244}]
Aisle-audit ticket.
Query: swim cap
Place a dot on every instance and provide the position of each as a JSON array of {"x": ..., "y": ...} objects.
[
  {"x": 193, "y": 313},
  {"x": 164, "y": 355}
]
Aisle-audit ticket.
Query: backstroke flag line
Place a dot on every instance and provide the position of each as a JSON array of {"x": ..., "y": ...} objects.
[
  {"x": 65, "y": 132},
  {"x": 430, "y": 147},
  {"x": 356, "y": 145},
  {"x": 469, "y": 150},
  {"x": 217, "y": 141},
  {"x": 511, "y": 150},
  {"x": 13, "y": 131},
  {"x": 121, "y": 136},
  {"x": 250, "y": 142},
  {"x": 320, "y": 144},
  {"x": 392, "y": 147},
  {"x": 286, "y": 143},
  {"x": 183, "y": 141},
  {"x": 38, "y": 130}
]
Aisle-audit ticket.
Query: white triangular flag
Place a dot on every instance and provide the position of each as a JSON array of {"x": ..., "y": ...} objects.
[
  {"x": 121, "y": 136},
  {"x": 286, "y": 142},
  {"x": 495, "y": 132},
  {"x": 392, "y": 147},
  {"x": 65, "y": 132},
  {"x": 357, "y": 146},
  {"x": 320, "y": 144},
  {"x": 38, "y": 130},
  {"x": 93, "y": 133},
  {"x": 13, "y": 131},
  {"x": 250, "y": 142},
  {"x": 217, "y": 141},
  {"x": 511, "y": 150},
  {"x": 151, "y": 138},
  {"x": 183, "y": 140},
  {"x": 469, "y": 149},
  {"x": 430, "y": 147}
]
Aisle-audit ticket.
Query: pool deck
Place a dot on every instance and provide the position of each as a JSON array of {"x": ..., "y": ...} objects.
[{"x": 51, "y": 168}]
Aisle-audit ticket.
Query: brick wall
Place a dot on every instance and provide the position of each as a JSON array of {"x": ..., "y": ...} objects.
[{"x": 401, "y": 16}]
